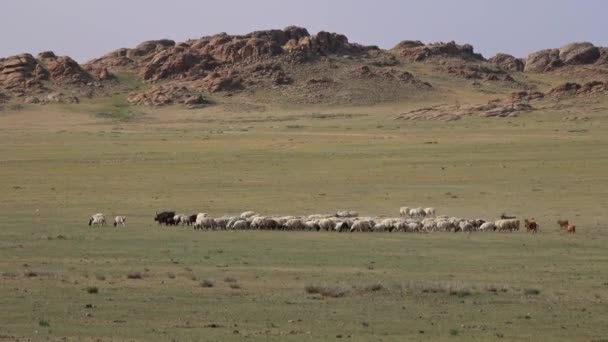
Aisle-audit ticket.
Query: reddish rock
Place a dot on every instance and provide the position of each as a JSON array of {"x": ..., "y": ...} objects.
[
  {"x": 416, "y": 51},
  {"x": 507, "y": 62},
  {"x": 579, "y": 53},
  {"x": 64, "y": 70},
  {"x": 544, "y": 60}
]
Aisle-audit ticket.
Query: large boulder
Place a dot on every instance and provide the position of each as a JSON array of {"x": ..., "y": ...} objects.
[
  {"x": 167, "y": 95},
  {"x": 177, "y": 63},
  {"x": 417, "y": 51},
  {"x": 603, "y": 59},
  {"x": 21, "y": 72},
  {"x": 507, "y": 62},
  {"x": 64, "y": 70},
  {"x": 579, "y": 53},
  {"x": 544, "y": 60},
  {"x": 149, "y": 47}
]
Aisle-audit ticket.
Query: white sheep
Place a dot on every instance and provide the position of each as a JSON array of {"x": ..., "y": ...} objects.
[
  {"x": 488, "y": 226},
  {"x": 122, "y": 220},
  {"x": 97, "y": 219},
  {"x": 248, "y": 214},
  {"x": 507, "y": 225},
  {"x": 429, "y": 212}
]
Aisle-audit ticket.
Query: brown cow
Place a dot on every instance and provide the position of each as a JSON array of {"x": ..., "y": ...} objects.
[{"x": 531, "y": 225}]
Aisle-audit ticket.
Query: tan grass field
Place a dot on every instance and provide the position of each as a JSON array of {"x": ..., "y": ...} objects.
[{"x": 61, "y": 164}]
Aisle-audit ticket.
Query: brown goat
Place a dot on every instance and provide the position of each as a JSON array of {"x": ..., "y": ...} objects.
[
  {"x": 531, "y": 225},
  {"x": 563, "y": 224},
  {"x": 571, "y": 229}
]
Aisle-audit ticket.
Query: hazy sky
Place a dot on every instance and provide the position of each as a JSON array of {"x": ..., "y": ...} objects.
[{"x": 85, "y": 29}]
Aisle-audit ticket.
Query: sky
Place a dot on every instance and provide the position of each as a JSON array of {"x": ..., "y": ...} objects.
[{"x": 85, "y": 29}]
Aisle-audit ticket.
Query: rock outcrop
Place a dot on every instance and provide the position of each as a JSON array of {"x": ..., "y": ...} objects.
[
  {"x": 417, "y": 51},
  {"x": 579, "y": 53},
  {"x": 507, "y": 62},
  {"x": 575, "y": 89},
  {"x": 499, "y": 109},
  {"x": 21, "y": 72},
  {"x": 571, "y": 54},
  {"x": 167, "y": 95}
]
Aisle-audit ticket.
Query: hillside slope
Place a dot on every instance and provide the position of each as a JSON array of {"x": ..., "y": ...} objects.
[{"x": 291, "y": 67}]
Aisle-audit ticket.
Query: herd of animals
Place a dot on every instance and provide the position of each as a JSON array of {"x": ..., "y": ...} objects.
[{"x": 410, "y": 220}]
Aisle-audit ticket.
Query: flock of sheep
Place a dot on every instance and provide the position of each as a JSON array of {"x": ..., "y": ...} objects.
[{"x": 410, "y": 220}]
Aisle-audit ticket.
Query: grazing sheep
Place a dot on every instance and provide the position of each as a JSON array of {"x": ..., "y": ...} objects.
[
  {"x": 445, "y": 226},
  {"x": 222, "y": 222},
  {"x": 531, "y": 225},
  {"x": 417, "y": 213},
  {"x": 563, "y": 224},
  {"x": 264, "y": 223},
  {"x": 97, "y": 219},
  {"x": 122, "y": 220},
  {"x": 342, "y": 226},
  {"x": 404, "y": 211},
  {"x": 205, "y": 222},
  {"x": 466, "y": 226},
  {"x": 362, "y": 226},
  {"x": 248, "y": 214},
  {"x": 327, "y": 225},
  {"x": 240, "y": 225},
  {"x": 386, "y": 225},
  {"x": 165, "y": 217},
  {"x": 347, "y": 214},
  {"x": 488, "y": 226},
  {"x": 507, "y": 225},
  {"x": 313, "y": 225},
  {"x": 504, "y": 216},
  {"x": 295, "y": 225},
  {"x": 185, "y": 220},
  {"x": 429, "y": 212}
]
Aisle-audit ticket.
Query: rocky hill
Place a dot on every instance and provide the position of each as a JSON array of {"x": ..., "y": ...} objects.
[{"x": 296, "y": 68}]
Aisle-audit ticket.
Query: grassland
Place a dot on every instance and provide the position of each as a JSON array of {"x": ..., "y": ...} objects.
[{"x": 61, "y": 278}]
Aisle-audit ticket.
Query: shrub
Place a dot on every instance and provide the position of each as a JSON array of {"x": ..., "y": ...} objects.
[
  {"x": 207, "y": 283},
  {"x": 92, "y": 289},
  {"x": 230, "y": 280},
  {"x": 135, "y": 275},
  {"x": 327, "y": 291},
  {"x": 531, "y": 292}
]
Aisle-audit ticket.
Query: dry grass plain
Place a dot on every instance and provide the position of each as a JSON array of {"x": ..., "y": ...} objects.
[{"x": 63, "y": 279}]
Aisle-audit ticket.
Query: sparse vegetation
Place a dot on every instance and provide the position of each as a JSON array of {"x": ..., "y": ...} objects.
[
  {"x": 230, "y": 280},
  {"x": 531, "y": 292},
  {"x": 327, "y": 291},
  {"x": 135, "y": 275},
  {"x": 92, "y": 290},
  {"x": 207, "y": 283}
]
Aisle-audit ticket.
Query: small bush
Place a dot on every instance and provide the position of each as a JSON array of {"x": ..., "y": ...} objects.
[
  {"x": 135, "y": 275},
  {"x": 454, "y": 332},
  {"x": 230, "y": 280},
  {"x": 235, "y": 286},
  {"x": 100, "y": 277},
  {"x": 31, "y": 274},
  {"x": 461, "y": 293},
  {"x": 327, "y": 291},
  {"x": 171, "y": 275},
  {"x": 374, "y": 287},
  {"x": 207, "y": 283},
  {"x": 531, "y": 292},
  {"x": 92, "y": 289},
  {"x": 44, "y": 323}
]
